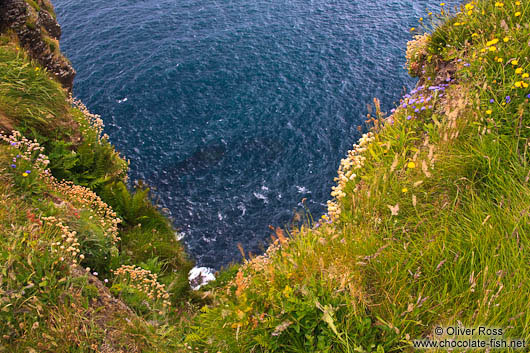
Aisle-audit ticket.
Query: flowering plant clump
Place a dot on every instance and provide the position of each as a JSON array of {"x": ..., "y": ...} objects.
[
  {"x": 106, "y": 161},
  {"x": 416, "y": 53},
  {"x": 27, "y": 161},
  {"x": 28, "y": 165},
  {"x": 83, "y": 197},
  {"x": 68, "y": 246},
  {"x": 94, "y": 120},
  {"x": 346, "y": 172},
  {"x": 141, "y": 289}
]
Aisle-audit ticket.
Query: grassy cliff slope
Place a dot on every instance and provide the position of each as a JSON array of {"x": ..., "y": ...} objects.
[{"x": 85, "y": 264}]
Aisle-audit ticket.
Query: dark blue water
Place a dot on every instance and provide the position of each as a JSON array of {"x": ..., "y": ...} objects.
[{"x": 235, "y": 110}]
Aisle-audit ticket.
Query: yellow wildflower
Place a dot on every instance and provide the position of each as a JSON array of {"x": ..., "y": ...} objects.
[
  {"x": 517, "y": 3},
  {"x": 525, "y": 75},
  {"x": 442, "y": 4},
  {"x": 430, "y": 14},
  {"x": 518, "y": 84},
  {"x": 469, "y": 6},
  {"x": 413, "y": 29},
  {"x": 515, "y": 62},
  {"x": 506, "y": 39},
  {"x": 525, "y": 85},
  {"x": 25, "y": 174},
  {"x": 411, "y": 165},
  {"x": 493, "y": 48},
  {"x": 499, "y": 4},
  {"x": 404, "y": 190},
  {"x": 489, "y": 112},
  {"x": 517, "y": 14},
  {"x": 492, "y": 42},
  {"x": 474, "y": 35},
  {"x": 499, "y": 60},
  {"x": 519, "y": 70}
]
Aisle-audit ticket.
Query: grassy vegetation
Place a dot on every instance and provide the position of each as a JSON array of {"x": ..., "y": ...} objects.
[{"x": 429, "y": 223}]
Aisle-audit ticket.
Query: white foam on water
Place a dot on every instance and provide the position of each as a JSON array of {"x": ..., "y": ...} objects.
[
  {"x": 242, "y": 208},
  {"x": 261, "y": 197},
  {"x": 199, "y": 276},
  {"x": 302, "y": 190}
]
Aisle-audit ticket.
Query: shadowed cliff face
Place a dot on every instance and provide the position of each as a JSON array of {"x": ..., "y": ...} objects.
[{"x": 38, "y": 32}]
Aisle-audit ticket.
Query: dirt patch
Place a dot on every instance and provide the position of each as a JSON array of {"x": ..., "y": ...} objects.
[
  {"x": 6, "y": 124},
  {"x": 112, "y": 316}
]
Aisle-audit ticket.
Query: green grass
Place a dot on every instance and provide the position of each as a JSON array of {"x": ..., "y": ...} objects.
[
  {"x": 47, "y": 302},
  {"x": 27, "y": 95}
]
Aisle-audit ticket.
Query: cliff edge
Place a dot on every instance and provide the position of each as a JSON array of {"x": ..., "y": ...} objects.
[{"x": 37, "y": 30}]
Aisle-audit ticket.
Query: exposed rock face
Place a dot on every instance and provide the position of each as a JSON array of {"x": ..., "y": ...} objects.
[
  {"x": 50, "y": 24},
  {"x": 38, "y": 32}
]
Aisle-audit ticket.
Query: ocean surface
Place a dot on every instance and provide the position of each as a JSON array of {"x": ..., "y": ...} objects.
[{"x": 233, "y": 111}]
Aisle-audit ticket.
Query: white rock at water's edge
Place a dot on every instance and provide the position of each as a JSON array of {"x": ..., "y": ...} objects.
[
  {"x": 199, "y": 276},
  {"x": 179, "y": 235}
]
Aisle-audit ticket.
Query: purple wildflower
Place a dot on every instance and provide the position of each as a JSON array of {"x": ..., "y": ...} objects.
[
  {"x": 492, "y": 100},
  {"x": 28, "y": 171},
  {"x": 528, "y": 96},
  {"x": 13, "y": 144},
  {"x": 409, "y": 117},
  {"x": 417, "y": 110},
  {"x": 13, "y": 165},
  {"x": 467, "y": 64},
  {"x": 422, "y": 108},
  {"x": 508, "y": 99}
]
